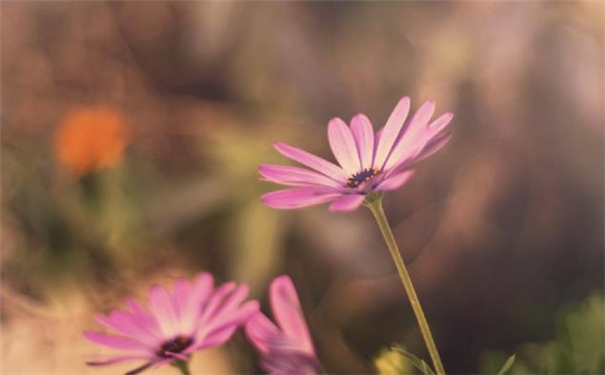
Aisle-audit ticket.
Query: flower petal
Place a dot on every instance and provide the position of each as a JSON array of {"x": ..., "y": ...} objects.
[
  {"x": 299, "y": 197},
  {"x": 113, "y": 360},
  {"x": 441, "y": 122},
  {"x": 115, "y": 341},
  {"x": 235, "y": 317},
  {"x": 395, "y": 181},
  {"x": 200, "y": 292},
  {"x": 314, "y": 162},
  {"x": 391, "y": 131},
  {"x": 163, "y": 309},
  {"x": 411, "y": 140},
  {"x": 216, "y": 338},
  {"x": 222, "y": 327},
  {"x": 290, "y": 361},
  {"x": 180, "y": 296},
  {"x": 347, "y": 203},
  {"x": 143, "y": 318},
  {"x": 343, "y": 146},
  {"x": 128, "y": 325},
  {"x": 142, "y": 368},
  {"x": 434, "y": 145},
  {"x": 260, "y": 331},
  {"x": 288, "y": 313},
  {"x": 294, "y": 176},
  {"x": 362, "y": 130},
  {"x": 222, "y": 306},
  {"x": 216, "y": 300}
]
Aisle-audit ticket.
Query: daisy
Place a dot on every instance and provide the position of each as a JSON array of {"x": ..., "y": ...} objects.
[
  {"x": 193, "y": 316},
  {"x": 368, "y": 162},
  {"x": 285, "y": 348}
]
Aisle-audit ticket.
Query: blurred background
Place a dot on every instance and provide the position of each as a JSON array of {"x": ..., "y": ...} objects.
[{"x": 132, "y": 133}]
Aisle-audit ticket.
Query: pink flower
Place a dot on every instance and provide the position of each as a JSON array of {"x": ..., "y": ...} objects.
[
  {"x": 368, "y": 162},
  {"x": 286, "y": 349},
  {"x": 193, "y": 316}
]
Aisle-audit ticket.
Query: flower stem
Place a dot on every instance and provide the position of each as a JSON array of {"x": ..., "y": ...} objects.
[
  {"x": 375, "y": 205},
  {"x": 183, "y": 366}
]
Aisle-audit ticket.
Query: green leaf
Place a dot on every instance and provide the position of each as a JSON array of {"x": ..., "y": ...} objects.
[
  {"x": 415, "y": 361},
  {"x": 397, "y": 361},
  {"x": 507, "y": 365},
  {"x": 427, "y": 369},
  {"x": 391, "y": 362}
]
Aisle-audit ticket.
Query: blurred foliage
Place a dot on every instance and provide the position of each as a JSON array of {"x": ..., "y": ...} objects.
[
  {"x": 203, "y": 89},
  {"x": 577, "y": 348},
  {"x": 397, "y": 360},
  {"x": 391, "y": 361}
]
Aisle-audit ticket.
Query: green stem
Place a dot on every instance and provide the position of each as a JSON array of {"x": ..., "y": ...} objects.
[
  {"x": 375, "y": 205},
  {"x": 183, "y": 366}
]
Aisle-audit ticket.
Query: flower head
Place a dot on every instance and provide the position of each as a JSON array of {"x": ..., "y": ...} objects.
[
  {"x": 368, "y": 162},
  {"x": 91, "y": 139},
  {"x": 286, "y": 348},
  {"x": 193, "y": 316}
]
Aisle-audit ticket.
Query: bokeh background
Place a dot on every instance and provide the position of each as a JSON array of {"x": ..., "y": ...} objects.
[{"x": 132, "y": 133}]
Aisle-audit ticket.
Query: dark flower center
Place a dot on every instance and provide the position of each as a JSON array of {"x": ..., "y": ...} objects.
[
  {"x": 176, "y": 345},
  {"x": 363, "y": 176}
]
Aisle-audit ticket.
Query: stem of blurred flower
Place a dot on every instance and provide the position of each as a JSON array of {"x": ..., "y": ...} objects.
[
  {"x": 183, "y": 366},
  {"x": 374, "y": 203}
]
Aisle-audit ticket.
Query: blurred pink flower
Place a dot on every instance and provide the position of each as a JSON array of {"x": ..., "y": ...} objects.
[
  {"x": 193, "y": 316},
  {"x": 287, "y": 349},
  {"x": 368, "y": 162}
]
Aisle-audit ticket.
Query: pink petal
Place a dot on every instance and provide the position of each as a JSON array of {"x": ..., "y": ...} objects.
[
  {"x": 441, "y": 122},
  {"x": 115, "y": 341},
  {"x": 214, "y": 339},
  {"x": 343, "y": 146},
  {"x": 434, "y": 145},
  {"x": 411, "y": 140},
  {"x": 220, "y": 329},
  {"x": 323, "y": 166},
  {"x": 260, "y": 331},
  {"x": 419, "y": 132},
  {"x": 128, "y": 325},
  {"x": 288, "y": 313},
  {"x": 236, "y": 298},
  {"x": 361, "y": 127},
  {"x": 143, "y": 318},
  {"x": 391, "y": 131},
  {"x": 164, "y": 311},
  {"x": 113, "y": 360},
  {"x": 200, "y": 292},
  {"x": 221, "y": 305},
  {"x": 395, "y": 181},
  {"x": 299, "y": 197},
  {"x": 144, "y": 367},
  {"x": 137, "y": 309},
  {"x": 295, "y": 176},
  {"x": 377, "y": 137},
  {"x": 215, "y": 301},
  {"x": 178, "y": 356},
  {"x": 180, "y": 296},
  {"x": 347, "y": 203}
]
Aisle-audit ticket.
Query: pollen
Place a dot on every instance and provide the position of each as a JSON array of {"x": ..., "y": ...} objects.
[
  {"x": 361, "y": 177},
  {"x": 175, "y": 346}
]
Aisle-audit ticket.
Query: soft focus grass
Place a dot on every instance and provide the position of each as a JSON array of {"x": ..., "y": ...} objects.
[{"x": 502, "y": 230}]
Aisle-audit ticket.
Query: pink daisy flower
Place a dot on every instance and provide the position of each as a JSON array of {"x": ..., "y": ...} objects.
[
  {"x": 368, "y": 162},
  {"x": 287, "y": 348},
  {"x": 193, "y": 316}
]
